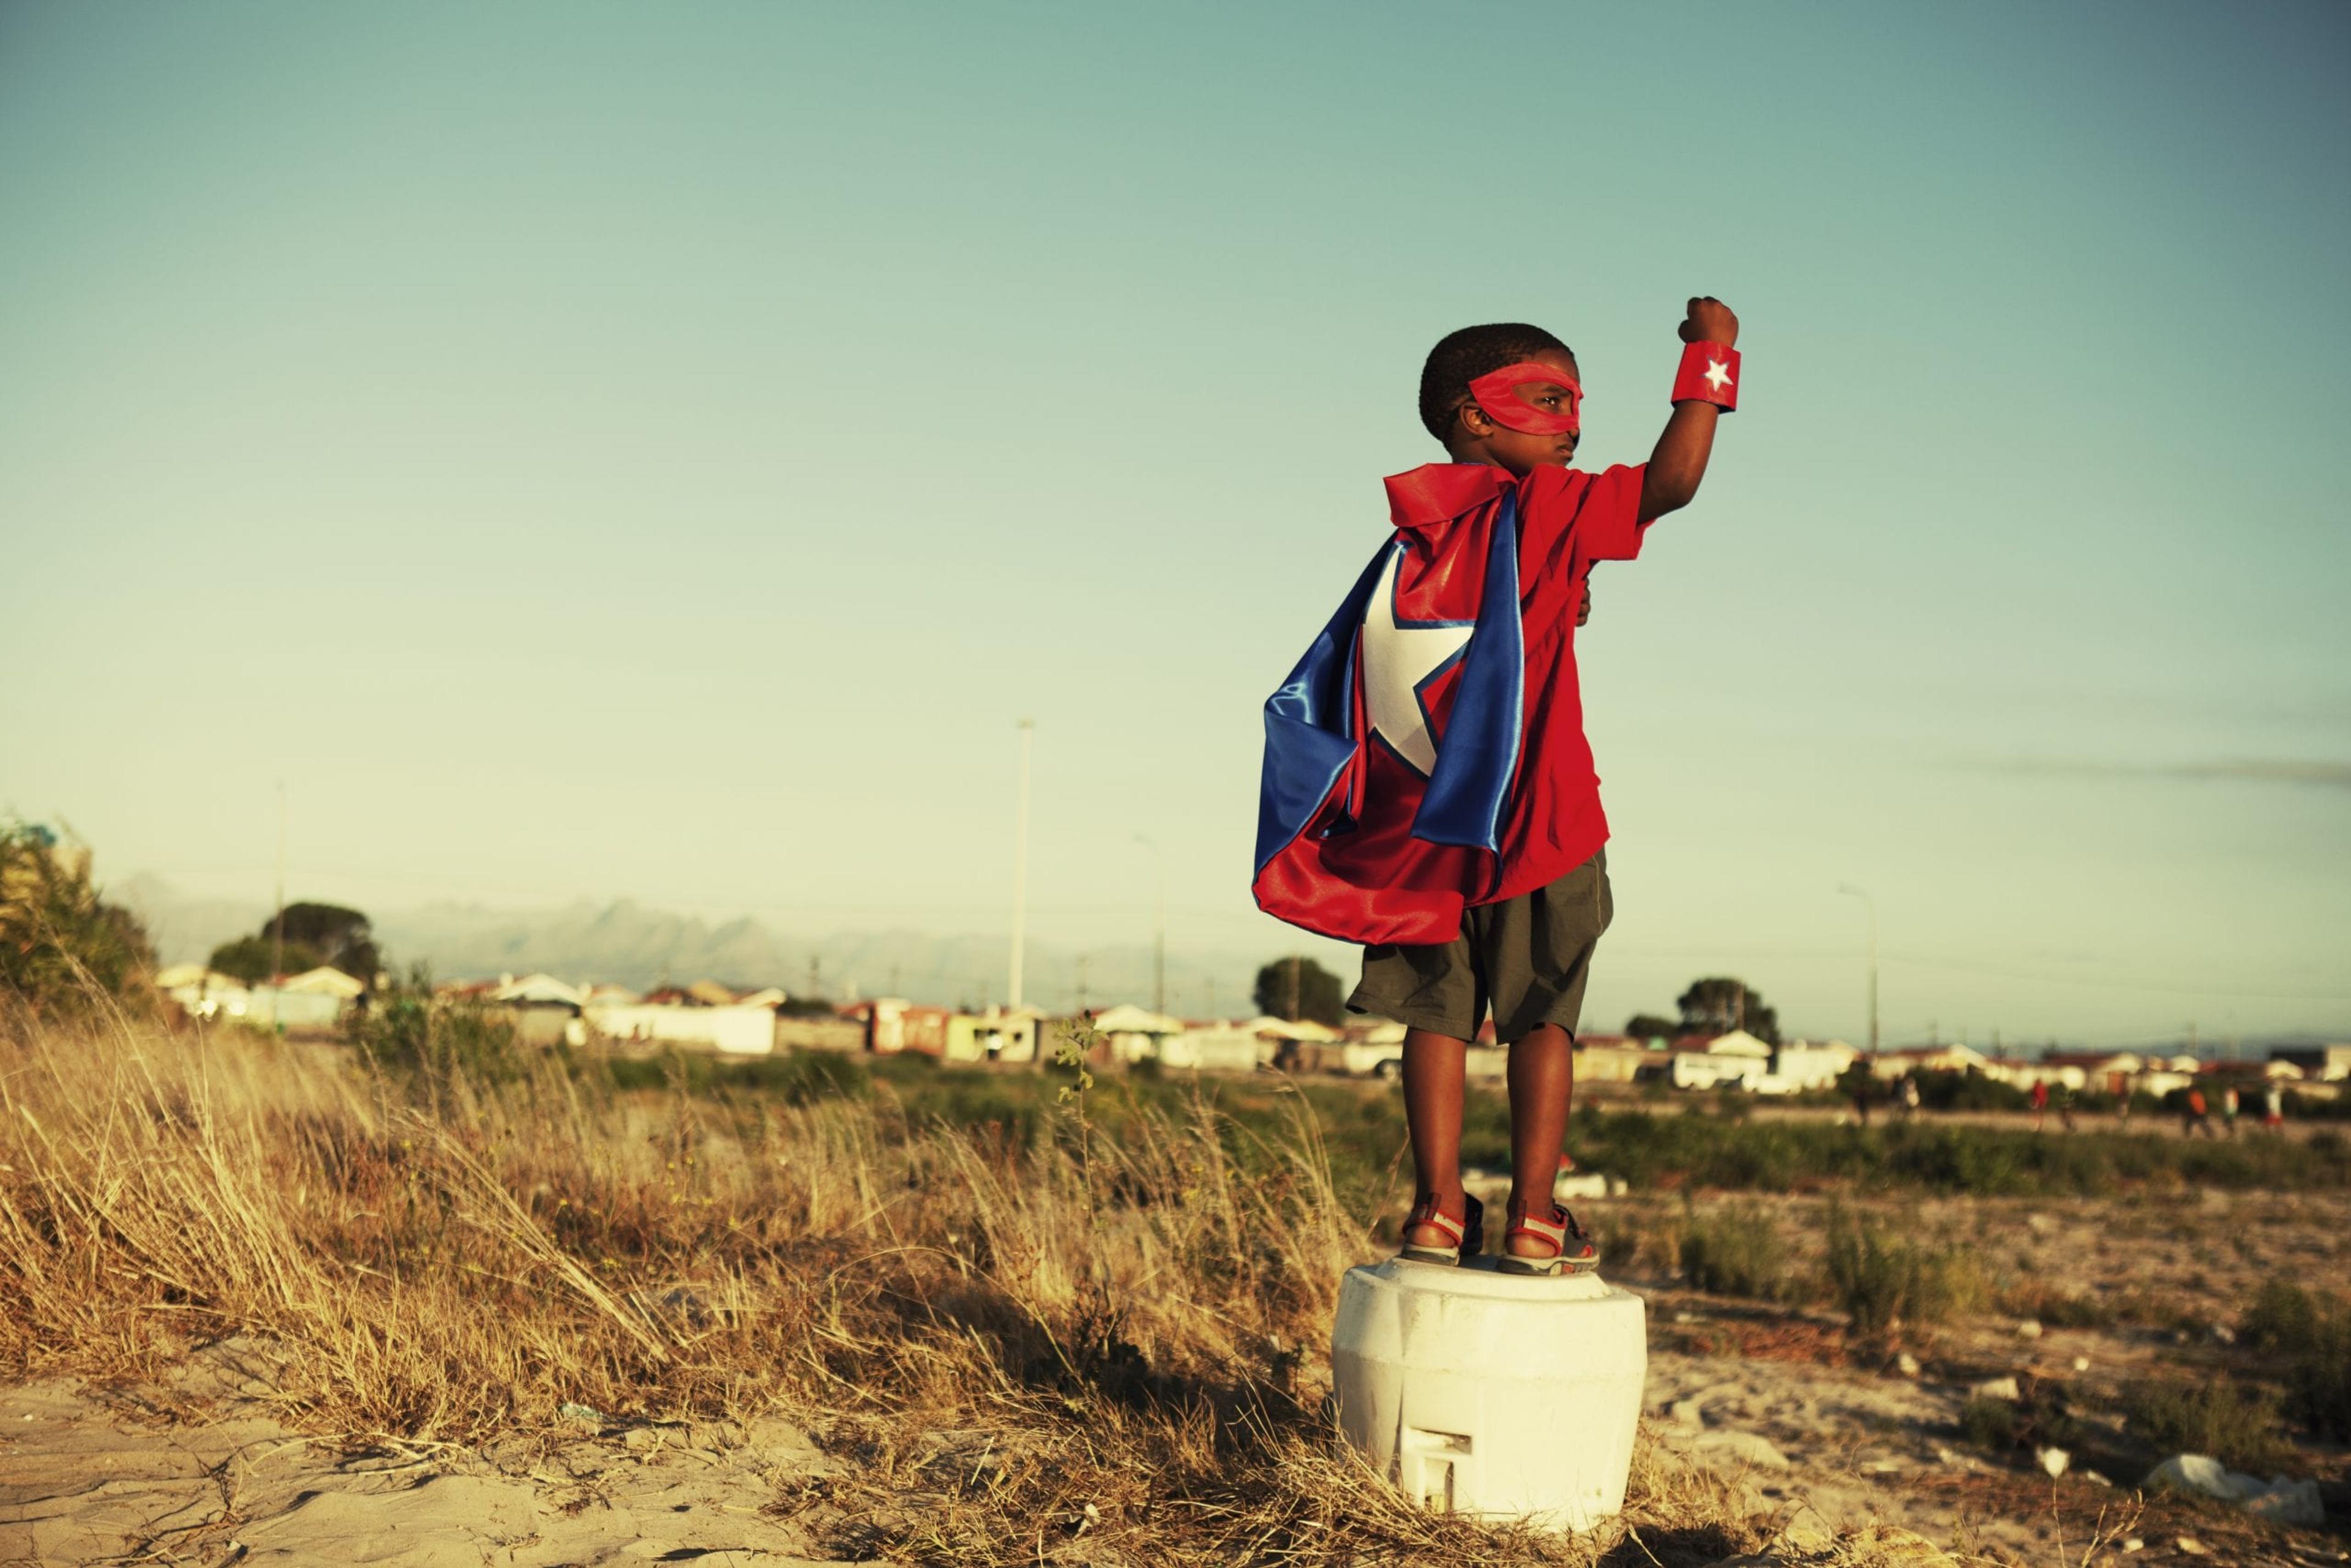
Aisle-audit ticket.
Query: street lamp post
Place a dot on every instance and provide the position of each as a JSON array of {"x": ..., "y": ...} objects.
[
  {"x": 1871, "y": 905},
  {"x": 1021, "y": 874},
  {"x": 1159, "y": 937}
]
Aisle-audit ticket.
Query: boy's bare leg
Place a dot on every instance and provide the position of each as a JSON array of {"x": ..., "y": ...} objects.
[
  {"x": 1542, "y": 1080},
  {"x": 1433, "y": 1068}
]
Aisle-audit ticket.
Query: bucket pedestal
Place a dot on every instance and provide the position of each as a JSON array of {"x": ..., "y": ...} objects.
[{"x": 1492, "y": 1394}]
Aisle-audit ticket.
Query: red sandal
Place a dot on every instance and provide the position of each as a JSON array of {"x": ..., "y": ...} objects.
[
  {"x": 1571, "y": 1251},
  {"x": 1467, "y": 1233}
]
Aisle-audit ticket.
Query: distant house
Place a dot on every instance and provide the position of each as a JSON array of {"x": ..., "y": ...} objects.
[
  {"x": 893, "y": 1024},
  {"x": 1933, "y": 1059},
  {"x": 1134, "y": 1034},
  {"x": 1373, "y": 1050},
  {"x": 1294, "y": 1045},
  {"x": 204, "y": 993},
  {"x": 1213, "y": 1048},
  {"x": 1737, "y": 1059},
  {"x": 538, "y": 990},
  {"x": 998, "y": 1034},
  {"x": 2322, "y": 1063},
  {"x": 1611, "y": 1058},
  {"x": 1800, "y": 1066},
  {"x": 729, "y": 1031},
  {"x": 323, "y": 982}
]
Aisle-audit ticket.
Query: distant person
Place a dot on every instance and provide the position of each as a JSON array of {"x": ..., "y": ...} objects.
[
  {"x": 2229, "y": 1108},
  {"x": 1862, "y": 1084},
  {"x": 1427, "y": 789},
  {"x": 2195, "y": 1116},
  {"x": 2273, "y": 1108},
  {"x": 2040, "y": 1101},
  {"x": 2065, "y": 1106},
  {"x": 1909, "y": 1095}
]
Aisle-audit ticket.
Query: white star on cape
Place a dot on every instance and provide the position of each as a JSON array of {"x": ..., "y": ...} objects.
[
  {"x": 1719, "y": 374},
  {"x": 1397, "y": 660}
]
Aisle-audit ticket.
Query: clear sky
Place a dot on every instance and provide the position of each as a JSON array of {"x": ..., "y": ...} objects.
[{"x": 661, "y": 450}]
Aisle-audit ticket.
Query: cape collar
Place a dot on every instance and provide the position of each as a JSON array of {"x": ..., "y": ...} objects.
[{"x": 1439, "y": 492}]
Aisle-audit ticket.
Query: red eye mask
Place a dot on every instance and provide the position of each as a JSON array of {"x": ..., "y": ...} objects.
[{"x": 1497, "y": 392}]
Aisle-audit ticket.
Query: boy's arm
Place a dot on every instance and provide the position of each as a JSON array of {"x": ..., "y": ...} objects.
[{"x": 1679, "y": 461}]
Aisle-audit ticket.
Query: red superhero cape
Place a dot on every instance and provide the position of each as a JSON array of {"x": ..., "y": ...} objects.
[{"x": 1428, "y": 753}]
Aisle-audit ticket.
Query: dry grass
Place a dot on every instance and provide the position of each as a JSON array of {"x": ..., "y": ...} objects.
[{"x": 1071, "y": 1349}]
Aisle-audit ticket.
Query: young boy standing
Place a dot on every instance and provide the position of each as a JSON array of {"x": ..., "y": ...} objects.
[{"x": 1428, "y": 791}]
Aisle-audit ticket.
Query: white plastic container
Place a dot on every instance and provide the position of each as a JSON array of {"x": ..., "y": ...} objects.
[{"x": 1496, "y": 1396}]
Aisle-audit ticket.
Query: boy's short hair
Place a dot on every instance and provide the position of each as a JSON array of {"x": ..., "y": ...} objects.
[{"x": 1460, "y": 358}]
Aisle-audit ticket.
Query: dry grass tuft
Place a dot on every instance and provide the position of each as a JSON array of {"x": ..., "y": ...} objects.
[{"x": 1060, "y": 1350}]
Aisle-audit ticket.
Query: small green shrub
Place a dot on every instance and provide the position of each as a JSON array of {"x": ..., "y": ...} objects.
[
  {"x": 2310, "y": 1331},
  {"x": 427, "y": 1041},
  {"x": 2040, "y": 1419},
  {"x": 1989, "y": 1423},
  {"x": 1884, "y": 1282},
  {"x": 2054, "y": 1307},
  {"x": 1737, "y": 1251},
  {"x": 2236, "y": 1424}
]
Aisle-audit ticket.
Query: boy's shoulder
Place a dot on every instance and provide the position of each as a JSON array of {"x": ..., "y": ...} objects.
[{"x": 1439, "y": 492}]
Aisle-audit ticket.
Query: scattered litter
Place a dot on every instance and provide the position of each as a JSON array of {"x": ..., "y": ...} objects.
[
  {"x": 2289, "y": 1502},
  {"x": 1686, "y": 1317},
  {"x": 1582, "y": 1184},
  {"x": 2278, "y": 1499},
  {"x": 588, "y": 1415},
  {"x": 2053, "y": 1461},
  {"x": 1686, "y": 1412},
  {"x": 2133, "y": 1545},
  {"x": 2223, "y": 1334},
  {"x": 1998, "y": 1388},
  {"x": 2081, "y": 1363},
  {"x": 2094, "y": 1478},
  {"x": 1907, "y": 1364},
  {"x": 2188, "y": 1546},
  {"x": 2028, "y": 1329}
]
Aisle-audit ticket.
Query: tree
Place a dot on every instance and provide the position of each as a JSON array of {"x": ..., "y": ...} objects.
[
  {"x": 313, "y": 934},
  {"x": 1719, "y": 1004},
  {"x": 60, "y": 942},
  {"x": 250, "y": 959},
  {"x": 1651, "y": 1026},
  {"x": 1298, "y": 987}
]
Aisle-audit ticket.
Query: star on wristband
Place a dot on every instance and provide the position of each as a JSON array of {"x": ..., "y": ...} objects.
[{"x": 1708, "y": 373}]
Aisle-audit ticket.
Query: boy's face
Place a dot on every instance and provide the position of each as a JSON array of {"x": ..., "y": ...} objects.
[{"x": 1480, "y": 437}]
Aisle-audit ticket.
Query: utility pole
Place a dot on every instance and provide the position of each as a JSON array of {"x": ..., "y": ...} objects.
[
  {"x": 1021, "y": 872},
  {"x": 278, "y": 926},
  {"x": 1872, "y": 904},
  {"x": 816, "y": 972},
  {"x": 1159, "y": 937},
  {"x": 1293, "y": 987}
]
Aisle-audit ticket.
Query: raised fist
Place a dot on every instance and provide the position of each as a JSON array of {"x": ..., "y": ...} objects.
[{"x": 1710, "y": 321}]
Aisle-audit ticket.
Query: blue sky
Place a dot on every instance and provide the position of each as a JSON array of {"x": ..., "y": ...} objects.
[{"x": 598, "y": 451}]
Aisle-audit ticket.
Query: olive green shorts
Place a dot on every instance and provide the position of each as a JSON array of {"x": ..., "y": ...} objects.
[{"x": 1526, "y": 957}]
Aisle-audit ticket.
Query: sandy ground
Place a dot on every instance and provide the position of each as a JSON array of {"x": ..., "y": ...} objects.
[{"x": 200, "y": 1473}]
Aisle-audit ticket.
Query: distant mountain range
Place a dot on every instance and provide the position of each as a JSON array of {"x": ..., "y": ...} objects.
[{"x": 640, "y": 948}]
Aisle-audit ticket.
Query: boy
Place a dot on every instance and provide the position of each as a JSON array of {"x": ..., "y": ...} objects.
[{"x": 1428, "y": 789}]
